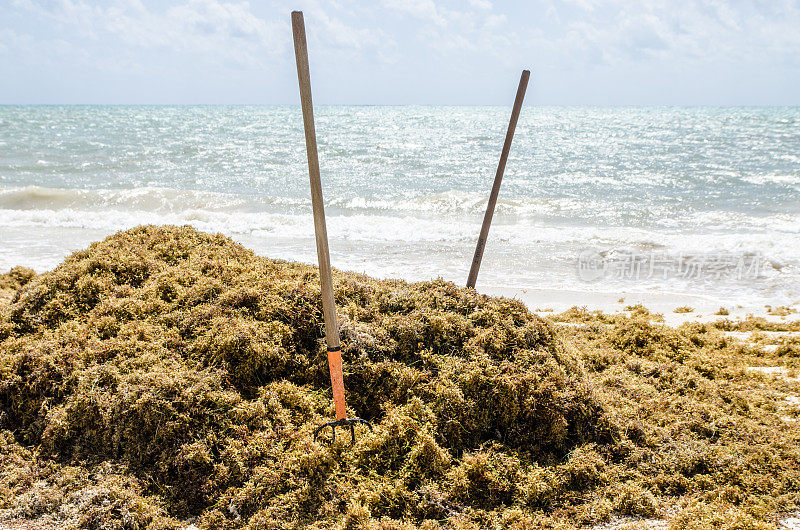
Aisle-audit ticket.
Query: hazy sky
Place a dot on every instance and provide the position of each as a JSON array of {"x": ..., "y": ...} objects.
[{"x": 617, "y": 52}]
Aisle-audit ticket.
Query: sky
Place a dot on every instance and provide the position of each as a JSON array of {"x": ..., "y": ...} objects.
[{"x": 467, "y": 52}]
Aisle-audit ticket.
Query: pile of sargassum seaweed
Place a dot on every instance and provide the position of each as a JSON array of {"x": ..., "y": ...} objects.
[{"x": 165, "y": 376}]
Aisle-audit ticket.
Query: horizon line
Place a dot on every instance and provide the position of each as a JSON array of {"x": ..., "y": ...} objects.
[{"x": 572, "y": 105}]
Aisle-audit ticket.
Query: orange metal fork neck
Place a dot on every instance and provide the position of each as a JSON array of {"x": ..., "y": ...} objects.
[{"x": 337, "y": 381}]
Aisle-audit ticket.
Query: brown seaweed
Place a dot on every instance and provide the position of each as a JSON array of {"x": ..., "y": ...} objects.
[{"x": 164, "y": 374}]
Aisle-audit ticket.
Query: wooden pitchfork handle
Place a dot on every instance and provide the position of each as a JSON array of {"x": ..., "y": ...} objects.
[
  {"x": 321, "y": 232},
  {"x": 498, "y": 179}
]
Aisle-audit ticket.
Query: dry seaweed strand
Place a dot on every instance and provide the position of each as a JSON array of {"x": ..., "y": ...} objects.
[
  {"x": 165, "y": 374},
  {"x": 12, "y": 281}
]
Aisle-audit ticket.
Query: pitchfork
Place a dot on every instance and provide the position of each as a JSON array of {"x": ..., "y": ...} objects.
[{"x": 328, "y": 303}]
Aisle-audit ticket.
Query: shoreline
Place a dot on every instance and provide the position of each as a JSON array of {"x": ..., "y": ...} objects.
[{"x": 546, "y": 302}]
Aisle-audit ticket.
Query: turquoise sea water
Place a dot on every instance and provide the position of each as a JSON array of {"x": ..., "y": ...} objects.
[{"x": 405, "y": 187}]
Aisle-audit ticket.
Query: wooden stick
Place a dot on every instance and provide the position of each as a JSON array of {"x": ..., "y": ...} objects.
[
  {"x": 498, "y": 178},
  {"x": 321, "y": 232}
]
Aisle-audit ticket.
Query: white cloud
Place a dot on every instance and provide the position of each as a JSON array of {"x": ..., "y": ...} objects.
[
  {"x": 219, "y": 31},
  {"x": 333, "y": 32},
  {"x": 688, "y": 31},
  {"x": 569, "y": 32},
  {"x": 481, "y": 4},
  {"x": 423, "y": 10},
  {"x": 472, "y": 28},
  {"x": 567, "y": 39}
]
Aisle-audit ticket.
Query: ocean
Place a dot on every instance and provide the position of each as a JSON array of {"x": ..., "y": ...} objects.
[{"x": 700, "y": 201}]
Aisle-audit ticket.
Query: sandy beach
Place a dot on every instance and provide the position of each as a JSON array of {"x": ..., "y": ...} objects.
[{"x": 702, "y": 308}]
